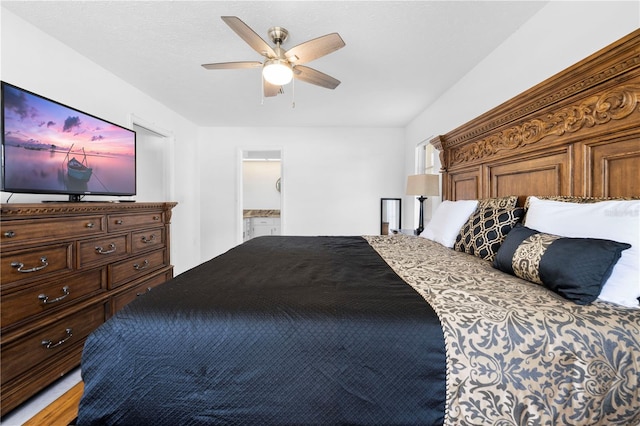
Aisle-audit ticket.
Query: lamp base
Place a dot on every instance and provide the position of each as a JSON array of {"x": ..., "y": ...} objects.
[{"x": 421, "y": 218}]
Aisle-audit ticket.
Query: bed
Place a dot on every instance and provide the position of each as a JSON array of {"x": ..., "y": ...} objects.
[{"x": 471, "y": 325}]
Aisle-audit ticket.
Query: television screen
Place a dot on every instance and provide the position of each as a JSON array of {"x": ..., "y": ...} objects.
[{"x": 50, "y": 148}]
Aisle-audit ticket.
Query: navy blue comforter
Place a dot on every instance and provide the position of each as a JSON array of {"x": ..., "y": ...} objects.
[{"x": 279, "y": 330}]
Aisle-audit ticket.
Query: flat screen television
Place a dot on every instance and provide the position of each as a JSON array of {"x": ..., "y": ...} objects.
[{"x": 51, "y": 148}]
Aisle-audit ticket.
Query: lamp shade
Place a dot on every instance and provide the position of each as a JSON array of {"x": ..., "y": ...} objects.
[
  {"x": 277, "y": 72},
  {"x": 423, "y": 185}
]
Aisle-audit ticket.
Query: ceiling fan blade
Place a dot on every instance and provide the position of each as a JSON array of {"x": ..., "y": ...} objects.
[
  {"x": 249, "y": 36},
  {"x": 314, "y": 49},
  {"x": 232, "y": 65},
  {"x": 270, "y": 89},
  {"x": 309, "y": 75}
]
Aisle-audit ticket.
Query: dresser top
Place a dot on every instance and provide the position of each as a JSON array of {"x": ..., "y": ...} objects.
[{"x": 11, "y": 210}]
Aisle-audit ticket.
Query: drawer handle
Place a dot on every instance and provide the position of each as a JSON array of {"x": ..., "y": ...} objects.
[
  {"x": 119, "y": 222},
  {"x": 48, "y": 344},
  {"x": 90, "y": 225},
  {"x": 139, "y": 267},
  {"x": 9, "y": 234},
  {"x": 112, "y": 249},
  {"x": 156, "y": 218},
  {"x": 143, "y": 293},
  {"x": 149, "y": 240},
  {"x": 45, "y": 299},
  {"x": 20, "y": 265}
]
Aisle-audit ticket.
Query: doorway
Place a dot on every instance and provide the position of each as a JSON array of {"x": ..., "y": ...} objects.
[
  {"x": 153, "y": 164},
  {"x": 261, "y": 188}
]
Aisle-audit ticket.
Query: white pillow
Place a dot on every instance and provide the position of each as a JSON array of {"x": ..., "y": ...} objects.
[
  {"x": 609, "y": 220},
  {"x": 446, "y": 222}
]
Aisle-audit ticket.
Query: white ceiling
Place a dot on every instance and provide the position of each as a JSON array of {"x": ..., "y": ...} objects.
[{"x": 399, "y": 55}]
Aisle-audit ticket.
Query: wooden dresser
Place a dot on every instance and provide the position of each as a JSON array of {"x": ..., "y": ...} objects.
[{"x": 65, "y": 269}]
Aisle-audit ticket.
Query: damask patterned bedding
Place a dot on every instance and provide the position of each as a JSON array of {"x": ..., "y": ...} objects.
[
  {"x": 350, "y": 330},
  {"x": 517, "y": 353}
]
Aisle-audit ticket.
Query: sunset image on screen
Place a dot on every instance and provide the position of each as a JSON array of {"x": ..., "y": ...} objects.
[{"x": 51, "y": 147}]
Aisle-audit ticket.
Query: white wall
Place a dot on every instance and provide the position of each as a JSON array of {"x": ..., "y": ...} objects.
[
  {"x": 332, "y": 180},
  {"x": 37, "y": 62},
  {"x": 559, "y": 35}
]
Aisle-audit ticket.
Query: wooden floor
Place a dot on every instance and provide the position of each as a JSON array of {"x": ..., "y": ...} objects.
[{"x": 60, "y": 412}]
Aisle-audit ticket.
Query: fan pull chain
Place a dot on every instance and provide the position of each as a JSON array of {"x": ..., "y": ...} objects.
[{"x": 293, "y": 93}]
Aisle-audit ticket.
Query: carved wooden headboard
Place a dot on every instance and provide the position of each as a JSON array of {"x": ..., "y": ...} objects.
[{"x": 576, "y": 133}]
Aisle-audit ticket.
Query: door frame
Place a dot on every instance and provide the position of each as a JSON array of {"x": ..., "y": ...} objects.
[
  {"x": 239, "y": 194},
  {"x": 167, "y": 155}
]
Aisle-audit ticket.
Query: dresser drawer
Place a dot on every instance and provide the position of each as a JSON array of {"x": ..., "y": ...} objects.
[
  {"x": 20, "y": 231},
  {"x": 103, "y": 250},
  {"x": 49, "y": 343},
  {"x": 124, "y": 298},
  {"x": 49, "y": 295},
  {"x": 118, "y": 222},
  {"x": 122, "y": 272},
  {"x": 35, "y": 263},
  {"x": 148, "y": 239}
]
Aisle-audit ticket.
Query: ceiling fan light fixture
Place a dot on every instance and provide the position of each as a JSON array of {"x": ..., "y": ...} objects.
[{"x": 277, "y": 72}]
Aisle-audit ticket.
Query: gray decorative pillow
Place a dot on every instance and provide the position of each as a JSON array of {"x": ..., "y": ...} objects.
[{"x": 486, "y": 229}]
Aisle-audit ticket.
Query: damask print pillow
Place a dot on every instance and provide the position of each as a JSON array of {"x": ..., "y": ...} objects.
[
  {"x": 575, "y": 268},
  {"x": 506, "y": 202},
  {"x": 576, "y": 199},
  {"x": 485, "y": 231}
]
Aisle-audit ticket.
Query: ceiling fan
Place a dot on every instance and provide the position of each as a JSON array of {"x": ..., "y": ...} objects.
[{"x": 281, "y": 66}]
